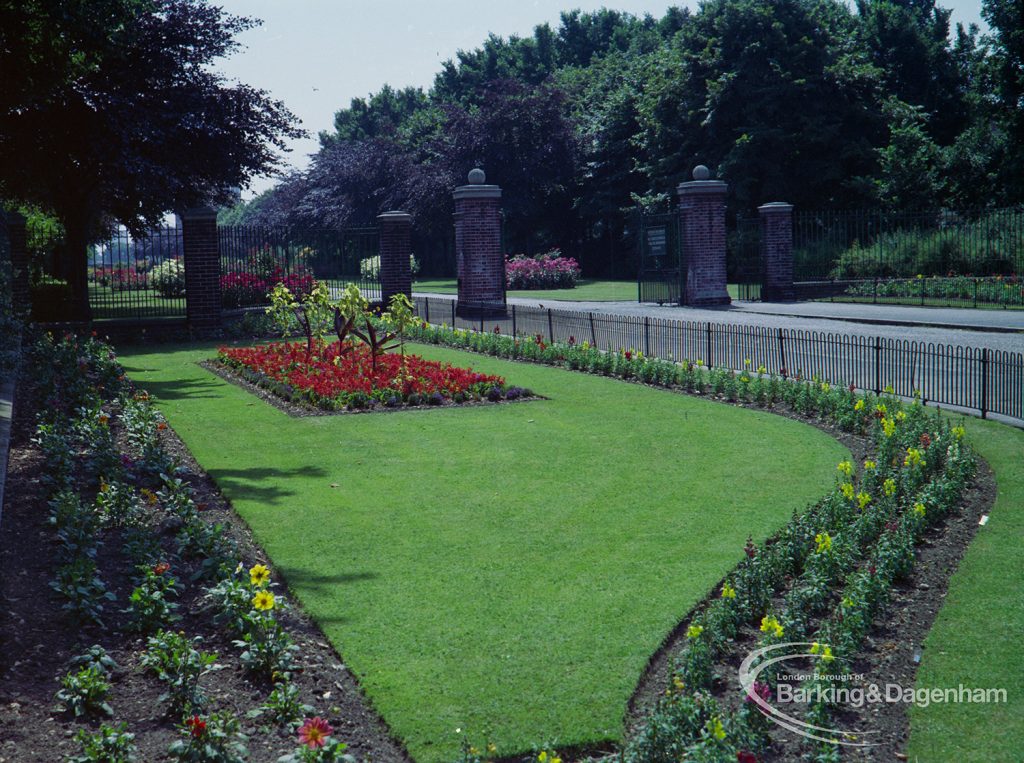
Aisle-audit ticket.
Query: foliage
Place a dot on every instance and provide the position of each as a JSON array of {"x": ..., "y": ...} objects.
[
  {"x": 84, "y": 693},
  {"x": 168, "y": 278},
  {"x": 175, "y": 661},
  {"x": 114, "y": 110},
  {"x": 370, "y": 266},
  {"x": 216, "y": 738},
  {"x": 997, "y": 290},
  {"x": 312, "y": 311},
  {"x": 109, "y": 744},
  {"x": 283, "y": 706},
  {"x": 545, "y": 271},
  {"x": 149, "y": 605}
]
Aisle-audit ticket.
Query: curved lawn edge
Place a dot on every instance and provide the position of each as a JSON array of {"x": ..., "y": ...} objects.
[
  {"x": 975, "y": 640},
  {"x": 191, "y": 399}
]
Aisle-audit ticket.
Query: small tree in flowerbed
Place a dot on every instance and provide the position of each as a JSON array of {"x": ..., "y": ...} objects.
[
  {"x": 357, "y": 371},
  {"x": 546, "y": 271}
]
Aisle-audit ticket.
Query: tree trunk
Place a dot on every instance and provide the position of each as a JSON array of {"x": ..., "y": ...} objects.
[{"x": 77, "y": 241}]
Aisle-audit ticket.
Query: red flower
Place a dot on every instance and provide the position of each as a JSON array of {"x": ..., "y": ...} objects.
[
  {"x": 160, "y": 568},
  {"x": 196, "y": 726},
  {"x": 314, "y": 732},
  {"x": 746, "y": 756},
  {"x": 926, "y": 440}
]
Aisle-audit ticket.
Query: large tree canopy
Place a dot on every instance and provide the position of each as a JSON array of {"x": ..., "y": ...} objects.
[{"x": 109, "y": 111}]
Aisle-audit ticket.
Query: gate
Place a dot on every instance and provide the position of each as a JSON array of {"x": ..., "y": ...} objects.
[
  {"x": 744, "y": 266},
  {"x": 662, "y": 278},
  {"x": 255, "y": 258}
]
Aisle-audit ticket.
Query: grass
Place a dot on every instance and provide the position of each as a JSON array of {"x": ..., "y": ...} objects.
[
  {"x": 587, "y": 290},
  {"x": 507, "y": 570},
  {"x": 976, "y": 638}
]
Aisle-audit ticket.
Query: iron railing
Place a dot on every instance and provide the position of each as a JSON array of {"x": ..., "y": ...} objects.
[
  {"x": 982, "y": 379},
  {"x": 962, "y": 259},
  {"x": 255, "y": 258},
  {"x": 138, "y": 277}
]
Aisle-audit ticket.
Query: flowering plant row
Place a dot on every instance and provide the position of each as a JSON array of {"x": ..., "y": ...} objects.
[
  {"x": 109, "y": 478},
  {"x": 825, "y": 575},
  {"x": 546, "y": 271},
  {"x": 344, "y": 376},
  {"x": 245, "y": 289}
]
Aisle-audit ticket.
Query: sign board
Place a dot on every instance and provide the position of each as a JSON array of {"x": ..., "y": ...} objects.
[{"x": 656, "y": 241}]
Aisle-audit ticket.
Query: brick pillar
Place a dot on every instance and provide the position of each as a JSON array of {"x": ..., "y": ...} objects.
[
  {"x": 202, "y": 269},
  {"x": 777, "y": 251},
  {"x": 395, "y": 250},
  {"x": 702, "y": 218},
  {"x": 17, "y": 237},
  {"x": 480, "y": 262}
]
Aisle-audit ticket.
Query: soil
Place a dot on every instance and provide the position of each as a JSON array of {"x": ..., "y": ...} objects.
[{"x": 37, "y": 639}]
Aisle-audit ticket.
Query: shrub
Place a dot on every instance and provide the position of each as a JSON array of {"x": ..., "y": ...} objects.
[
  {"x": 546, "y": 271},
  {"x": 84, "y": 693},
  {"x": 370, "y": 266},
  {"x": 168, "y": 278},
  {"x": 110, "y": 744}
]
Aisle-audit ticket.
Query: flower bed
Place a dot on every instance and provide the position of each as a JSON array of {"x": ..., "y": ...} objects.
[
  {"x": 993, "y": 290},
  {"x": 152, "y": 592},
  {"x": 340, "y": 376},
  {"x": 245, "y": 289},
  {"x": 546, "y": 271}
]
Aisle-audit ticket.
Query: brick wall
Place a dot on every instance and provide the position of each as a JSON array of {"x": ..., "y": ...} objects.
[
  {"x": 202, "y": 269},
  {"x": 480, "y": 262},
  {"x": 395, "y": 250},
  {"x": 702, "y": 222},
  {"x": 777, "y": 251}
]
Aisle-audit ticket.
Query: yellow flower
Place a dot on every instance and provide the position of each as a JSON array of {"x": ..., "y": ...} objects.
[
  {"x": 845, "y": 467},
  {"x": 919, "y": 509},
  {"x": 826, "y": 654},
  {"x": 815, "y": 647},
  {"x": 958, "y": 432},
  {"x": 762, "y": 370},
  {"x": 263, "y": 601},
  {"x": 543, "y": 757},
  {"x": 678, "y": 683},
  {"x": 870, "y": 466},
  {"x": 847, "y": 489},
  {"x": 728, "y": 592},
  {"x": 847, "y": 602},
  {"x": 746, "y": 362},
  {"x": 888, "y": 427},
  {"x": 913, "y": 458},
  {"x": 889, "y": 389},
  {"x": 716, "y": 729},
  {"x": 491, "y": 748},
  {"x": 694, "y": 631},
  {"x": 473, "y": 750},
  {"x": 889, "y": 486},
  {"x": 880, "y": 408},
  {"x": 824, "y": 541},
  {"x": 825, "y": 387},
  {"x": 863, "y": 499},
  {"x": 259, "y": 575},
  {"x": 769, "y": 624},
  {"x": 700, "y": 363},
  {"x": 859, "y": 405},
  {"x": 900, "y": 415}
]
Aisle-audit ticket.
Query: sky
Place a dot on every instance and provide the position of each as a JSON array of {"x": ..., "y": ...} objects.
[{"x": 317, "y": 55}]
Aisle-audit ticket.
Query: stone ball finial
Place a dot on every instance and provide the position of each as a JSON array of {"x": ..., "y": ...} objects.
[
  {"x": 700, "y": 172},
  {"x": 477, "y": 176}
]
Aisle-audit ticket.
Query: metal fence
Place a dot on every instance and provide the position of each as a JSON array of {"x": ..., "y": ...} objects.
[
  {"x": 138, "y": 276},
  {"x": 989, "y": 381},
  {"x": 255, "y": 258},
  {"x": 963, "y": 259}
]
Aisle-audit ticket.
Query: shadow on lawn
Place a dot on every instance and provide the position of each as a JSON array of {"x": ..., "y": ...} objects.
[
  {"x": 262, "y": 483},
  {"x": 181, "y": 389},
  {"x": 309, "y": 582}
]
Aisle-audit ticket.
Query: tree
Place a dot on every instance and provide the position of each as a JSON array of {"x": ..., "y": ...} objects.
[
  {"x": 113, "y": 113},
  {"x": 1006, "y": 41}
]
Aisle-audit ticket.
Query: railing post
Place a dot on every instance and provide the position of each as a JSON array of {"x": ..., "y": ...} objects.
[
  {"x": 878, "y": 365},
  {"x": 514, "y": 330},
  {"x": 984, "y": 382},
  {"x": 647, "y": 336},
  {"x": 551, "y": 328},
  {"x": 426, "y": 305},
  {"x": 709, "y": 345},
  {"x": 593, "y": 332},
  {"x": 453, "y": 313},
  {"x": 782, "y": 350}
]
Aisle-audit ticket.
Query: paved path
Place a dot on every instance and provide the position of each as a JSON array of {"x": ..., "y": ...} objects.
[{"x": 965, "y": 327}]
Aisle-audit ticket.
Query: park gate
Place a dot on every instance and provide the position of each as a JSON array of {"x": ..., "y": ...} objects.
[{"x": 662, "y": 276}]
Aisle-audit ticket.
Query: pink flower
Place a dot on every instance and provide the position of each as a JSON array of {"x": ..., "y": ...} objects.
[{"x": 314, "y": 732}]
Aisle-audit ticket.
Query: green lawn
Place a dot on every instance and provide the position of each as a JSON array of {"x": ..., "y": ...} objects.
[
  {"x": 586, "y": 291},
  {"x": 976, "y": 639},
  {"x": 507, "y": 570}
]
